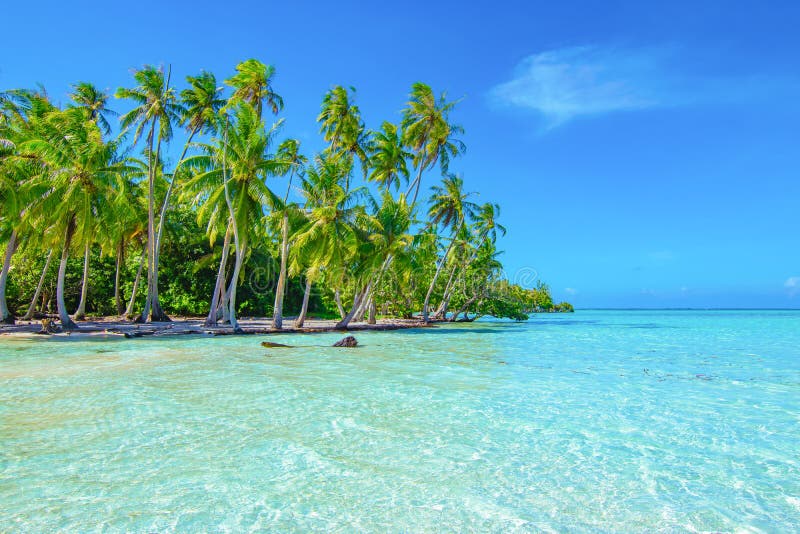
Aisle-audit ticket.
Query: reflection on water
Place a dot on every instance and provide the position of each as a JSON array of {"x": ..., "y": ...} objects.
[{"x": 602, "y": 420}]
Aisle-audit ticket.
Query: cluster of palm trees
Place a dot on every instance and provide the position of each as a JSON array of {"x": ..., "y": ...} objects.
[{"x": 354, "y": 231}]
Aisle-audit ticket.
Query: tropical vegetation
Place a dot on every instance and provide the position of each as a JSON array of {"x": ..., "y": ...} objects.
[{"x": 97, "y": 216}]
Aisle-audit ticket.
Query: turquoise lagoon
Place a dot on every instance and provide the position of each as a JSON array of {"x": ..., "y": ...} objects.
[{"x": 632, "y": 421}]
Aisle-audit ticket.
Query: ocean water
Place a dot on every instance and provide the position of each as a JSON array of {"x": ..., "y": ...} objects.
[{"x": 611, "y": 421}]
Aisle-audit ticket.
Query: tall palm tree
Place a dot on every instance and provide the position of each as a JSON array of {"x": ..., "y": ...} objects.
[
  {"x": 288, "y": 155},
  {"x": 485, "y": 227},
  {"x": 428, "y": 132},
  {"x": 389, "y": 159},
  {"x": 449, "y": 208},
  {"x": 78, "y": 174},
  {"x": 328, "y": 241},
  {"x": 252, "y": 84},
  {"x": 234, "y": 170},
  {"x": 156, "y": 109},
  {"x": 200, "y": 104},
  {"x": 86, "y": 95},
  {"x": 342, "y": 127}
]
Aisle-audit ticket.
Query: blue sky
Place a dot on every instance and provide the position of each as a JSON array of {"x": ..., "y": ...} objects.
[{"x": 644, "y": 155}]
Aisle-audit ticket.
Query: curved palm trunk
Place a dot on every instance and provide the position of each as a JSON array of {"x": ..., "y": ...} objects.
[
  {"x": 441, "y": 311},
  {"x": 304, "y": 309},
  {"x": 80, "y": 313},
  {"x": 134, "y": 290},
  {"x": 11, "y": 247},
  {"x": 463, "y": 309},
  {"x": 277, "y": 316},
  {"x": 436, "y": 277},
  {"x": 211, "y": 320},
  {"x": 66, "y": 322},
  {"x": 120, "y": 262},
  {"x": 32, "y": 308},
  {"x": 337, "y": 297},
  {"x": 342, "y": 325},
  {"x": 234, "y": 283}
]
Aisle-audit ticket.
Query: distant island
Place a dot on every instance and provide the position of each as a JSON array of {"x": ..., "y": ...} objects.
[{"x": 191, "y": 203}]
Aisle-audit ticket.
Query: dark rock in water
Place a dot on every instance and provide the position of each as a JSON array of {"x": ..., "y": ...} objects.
[
  {"x": 349, "y": 341},
  {"x": 271, "y": 345}
]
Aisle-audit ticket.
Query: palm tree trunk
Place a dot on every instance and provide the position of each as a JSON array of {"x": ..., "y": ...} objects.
[
  {"x": 234, "y": 283},
  {"x": 342, "y": 325},
  {"x": 66, "y": 322},
  {"x": 463, "y": 308},
  {"x": 337, "y": 297},
  {"x": 211, "y": 320},
  {"x": 162, "y": 218},
  {"x": 136, "y": 280},
  {"x": 239, "y": 244},
  {"x": 11, "y": 247},
  {"x": 120, "y": 262},
  {"x": 277, "y": 316},
  {"x": 80, "y": 313},
  {"x": 441, "y": 311},
  {"x": 32, "y": 308},
  {"x": 304, "y": 309},
  {"x": 372, "y": 309},
  {"x": 435, "y": 277}
]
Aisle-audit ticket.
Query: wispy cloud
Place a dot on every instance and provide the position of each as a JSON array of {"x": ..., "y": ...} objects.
[
  {"x": 567, "y": 83},
  {"x": 571, "y": 291},
  {"x": 792, "y": 285}
]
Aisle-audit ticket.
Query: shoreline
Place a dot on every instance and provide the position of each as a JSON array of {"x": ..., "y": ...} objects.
[{"x": 179, "y": 326}]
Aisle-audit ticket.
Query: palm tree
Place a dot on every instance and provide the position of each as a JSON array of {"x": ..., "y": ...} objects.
[
  {"x": 485, "y": 228},
  {"x": 234, "y": 170},
  {"x": 89, "y": 97},
  {"x": 328, "y": 240},
  {"x": 156, "y": 107},
  {"x": 252, "y": 84},
  {"x": 200, "y": 104},
  {"x": 342, "y": 127},
  {"x": 289, "y": 155},
  {"x": 428, "y": 132},
  {"x": 78, "y": 174},
  {"x": 388, "y": 160},
  {"x": 449, "y": 209}
]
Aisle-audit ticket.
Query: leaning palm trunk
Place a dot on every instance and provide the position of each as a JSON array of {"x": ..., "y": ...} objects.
[
  {"x": 11, "y": 247},
  {"x": 342, "y": 325},
  {"x": 80, "y": 313},
  {"x": 211, "y": 320},
  {"x": 66, "y": 322},
  {"x": 32, "y": 308},
  {"x": 277, "y": 316},
  {"x": 304, "y": 309},
  {"x": 280, "y": 290},
  {"x": 120, "y": 262},
  {"x": 441, "y": 311},
  {"x": 436, "y": 277},
  {"x": 163, "y": 215},
  {"x": 463, "y": 308},
  {"x": 337, "y": 297},
  {"x": 239, "y": 244},
  {"x": 136, "y": 280}
]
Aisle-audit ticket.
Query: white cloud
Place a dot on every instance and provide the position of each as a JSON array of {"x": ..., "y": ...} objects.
[
  {"x": 570, "y": 82},
  {"x": 792, "y": 285},
  {"x": 567, "y": 83},
  {"x": 571, "y": 291}
]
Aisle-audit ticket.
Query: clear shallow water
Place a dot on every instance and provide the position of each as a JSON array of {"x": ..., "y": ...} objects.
[{"x": 600, "y": 420}]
